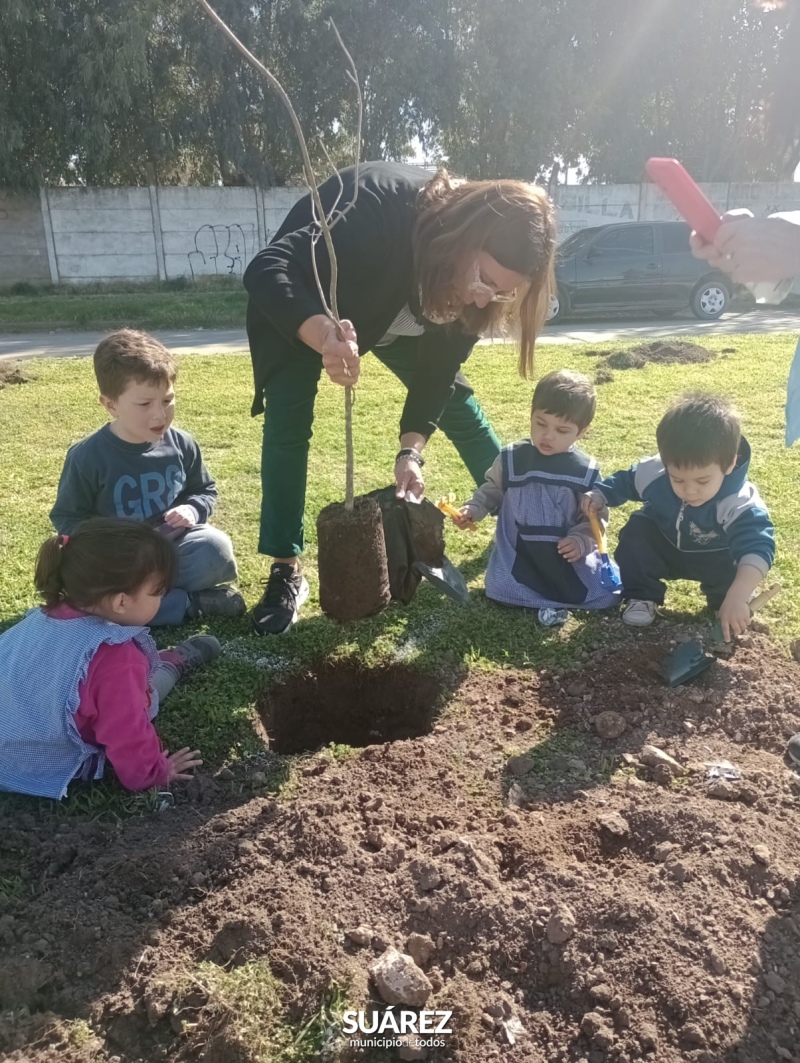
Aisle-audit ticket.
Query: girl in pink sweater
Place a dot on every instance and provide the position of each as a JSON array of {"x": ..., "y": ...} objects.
[{"x": 81, "y": 678}]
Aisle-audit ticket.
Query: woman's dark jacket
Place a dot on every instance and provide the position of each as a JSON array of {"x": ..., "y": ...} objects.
[{"x": 376, "y": 280}]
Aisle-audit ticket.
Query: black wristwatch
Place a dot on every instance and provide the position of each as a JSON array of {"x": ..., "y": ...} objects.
[{"x": 409, "y": 452}]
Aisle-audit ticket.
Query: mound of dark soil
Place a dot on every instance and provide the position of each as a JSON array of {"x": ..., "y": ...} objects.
[
  {"x": 10, "y": 373},
  {"x": 658, "y": 352},
  {"x": 568, "y": 897}
]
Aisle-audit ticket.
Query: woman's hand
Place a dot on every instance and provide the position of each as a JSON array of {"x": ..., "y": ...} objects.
[
  {"x": 408, "y": 477},
  {"x": 753, "y": 249},
  {"x": 340, "y": 358}
]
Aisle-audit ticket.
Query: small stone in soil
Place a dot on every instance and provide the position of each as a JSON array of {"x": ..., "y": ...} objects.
[
  {"x": 399, "y": 980},
  {"x": 775, "y": 982},
  {"x": 520, "y": 765},
  {"x": 360, "y": 935},
  {"x": 652, "y": 756},
  {"x": 560, "y": 925},
  {"x": 420, "y": 948},
  {"x": 614, "y": 823},
  {"x": 610, "y": 725},
  {"x": 428, "y": 875}
]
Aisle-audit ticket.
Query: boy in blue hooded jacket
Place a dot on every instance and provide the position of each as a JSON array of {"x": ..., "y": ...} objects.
[{"x": 702, "y": 519}]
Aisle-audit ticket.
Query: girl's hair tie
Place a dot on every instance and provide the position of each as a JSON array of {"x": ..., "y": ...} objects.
[{"x": 63, "y": 540}]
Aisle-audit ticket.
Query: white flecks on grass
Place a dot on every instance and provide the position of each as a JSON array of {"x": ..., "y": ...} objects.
[
  {"x": 244, "y": 650},
  {"x": 416, "y": 639}
]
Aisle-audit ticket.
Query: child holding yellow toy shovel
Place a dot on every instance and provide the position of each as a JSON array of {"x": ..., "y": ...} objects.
[{"x": 546, "y": 556}]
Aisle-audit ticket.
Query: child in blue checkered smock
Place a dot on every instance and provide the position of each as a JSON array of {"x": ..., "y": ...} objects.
[
  {"x": 545, "y": 556},
  {"x": 81, "y": 678}
]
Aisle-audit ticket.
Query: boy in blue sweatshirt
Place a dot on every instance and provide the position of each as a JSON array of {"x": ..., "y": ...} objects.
[
  {"x": 139, "y": 466},
  {"x": 702, "y": 519}
]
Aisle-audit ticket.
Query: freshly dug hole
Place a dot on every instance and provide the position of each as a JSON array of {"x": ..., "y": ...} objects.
[
  {"x": 345, "y": 703},
  {"x": 353, "y": 574}
]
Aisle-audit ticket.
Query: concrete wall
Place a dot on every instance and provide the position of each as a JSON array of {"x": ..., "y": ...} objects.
[
  {"x": 583, "y": 205},
  {"x": 78, "y": 235},
  {"x": 106, "y": 234},
  {"x": 23, "y": 248}
]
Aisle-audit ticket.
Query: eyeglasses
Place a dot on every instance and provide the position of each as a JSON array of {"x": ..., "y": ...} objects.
[{"x": 480, "y": 288}]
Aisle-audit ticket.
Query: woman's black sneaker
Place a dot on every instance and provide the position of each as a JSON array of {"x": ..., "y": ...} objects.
[{"x": 284, "y": 592}]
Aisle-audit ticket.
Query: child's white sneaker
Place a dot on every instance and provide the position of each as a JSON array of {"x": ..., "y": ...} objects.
[{"x": 639, "y": 613}]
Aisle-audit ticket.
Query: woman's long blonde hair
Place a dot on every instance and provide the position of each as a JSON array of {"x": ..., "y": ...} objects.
[{"x": 514, "y": 222}]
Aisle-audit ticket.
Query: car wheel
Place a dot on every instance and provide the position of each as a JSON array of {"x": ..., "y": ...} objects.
[
  {"x": 709, "y": 299},
  {"x": 559, "y": 307}
]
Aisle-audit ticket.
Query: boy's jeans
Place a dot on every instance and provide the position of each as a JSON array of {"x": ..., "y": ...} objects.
[
  {"x": 205, "y": 559},
  {"x": 646, "y": 558}
]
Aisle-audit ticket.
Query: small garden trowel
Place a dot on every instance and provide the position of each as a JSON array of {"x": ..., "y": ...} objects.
[
  {"x": 609, "y": 577},
  {"x": 690, "y": 660}
]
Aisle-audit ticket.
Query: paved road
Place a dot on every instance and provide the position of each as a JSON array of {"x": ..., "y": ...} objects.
[{"x": 234, "y": 341}]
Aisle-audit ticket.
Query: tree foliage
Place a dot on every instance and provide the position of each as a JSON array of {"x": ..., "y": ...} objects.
[{"x": 114, "y": 91}]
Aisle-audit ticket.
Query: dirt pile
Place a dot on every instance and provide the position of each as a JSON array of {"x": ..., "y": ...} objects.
[
  {"x": 568, "y": 897},
  {"x": 10, "y": 373},
  {"x": 656, "y": 352}
]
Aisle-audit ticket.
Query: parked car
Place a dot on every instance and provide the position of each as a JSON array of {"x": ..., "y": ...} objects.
[{"x": 636, "y": 266}]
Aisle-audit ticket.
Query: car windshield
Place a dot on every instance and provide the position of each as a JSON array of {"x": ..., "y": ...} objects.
[{"x": 575, "y": 241}]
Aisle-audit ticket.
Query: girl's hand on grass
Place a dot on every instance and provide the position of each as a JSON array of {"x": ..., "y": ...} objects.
[
  {"x": 464, "y": 521},
  {"x": 340, "y": 358},
  {"x": 734, "y": 616},
  {"x": 570, "y": 549},
  {"x": 181, "y": 517},
  {"x": 181, "y": 764}
]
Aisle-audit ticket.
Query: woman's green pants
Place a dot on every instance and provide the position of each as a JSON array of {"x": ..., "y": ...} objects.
[{"x": 289, "y": 396}]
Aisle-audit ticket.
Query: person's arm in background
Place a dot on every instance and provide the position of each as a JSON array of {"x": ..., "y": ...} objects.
[{"x": 753, "y": 250}]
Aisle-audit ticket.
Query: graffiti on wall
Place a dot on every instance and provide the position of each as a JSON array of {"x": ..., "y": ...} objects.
[
  {"x": 580, "y": 208},
  {"x": 222, "y": 249}
]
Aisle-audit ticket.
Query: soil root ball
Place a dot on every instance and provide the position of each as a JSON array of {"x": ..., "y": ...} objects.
[{"x": 353, "y": 574}]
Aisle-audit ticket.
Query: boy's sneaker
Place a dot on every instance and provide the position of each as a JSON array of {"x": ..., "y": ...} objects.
[
  {"x": 793, "y": 751},
  {"x": 639, "y": 613},
  {"x": 197, "y": 651},
  {"x": 285, "y": 591},
  {"x": 217, "y": 601},
  {"x": 549, "y": 617}
]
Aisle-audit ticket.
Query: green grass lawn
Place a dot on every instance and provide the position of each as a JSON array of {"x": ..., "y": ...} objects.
[
  {"x": 214, "y": 710},
  {"x": 213, "y": 303}
]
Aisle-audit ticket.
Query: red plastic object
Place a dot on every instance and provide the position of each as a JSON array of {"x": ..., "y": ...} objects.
[{"x": 686, "y": 195}]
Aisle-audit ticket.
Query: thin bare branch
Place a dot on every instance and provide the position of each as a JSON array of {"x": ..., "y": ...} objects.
[
  {"x": 332, "y": 219},
  {"x": 352, "y": 74},
  {"x": 321, "y": 220}
]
